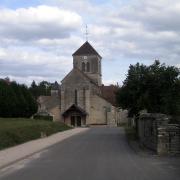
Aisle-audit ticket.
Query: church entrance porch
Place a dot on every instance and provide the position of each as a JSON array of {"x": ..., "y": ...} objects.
[
  {"x": 76, "y": 121},
  {"x": 75, "y": 116}
]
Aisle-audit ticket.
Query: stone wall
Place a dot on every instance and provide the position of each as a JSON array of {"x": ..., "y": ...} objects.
[
  {"x": 94, "y": 68},
  {"x": 156, "y": 133},
  {"x": 169, "y": 139},
  {"x": 99, "y": 109},
  {"x": 50, "y": 105}
]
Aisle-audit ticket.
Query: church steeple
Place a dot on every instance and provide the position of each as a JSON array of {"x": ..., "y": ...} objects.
[{"x": 88, "y": 60}]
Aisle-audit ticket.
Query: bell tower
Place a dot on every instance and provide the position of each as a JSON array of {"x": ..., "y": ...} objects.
[{"x": 88, "y": 61}]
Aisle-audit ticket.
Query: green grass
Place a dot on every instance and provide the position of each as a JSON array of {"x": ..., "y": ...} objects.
[{"x": 19, "y": 130}]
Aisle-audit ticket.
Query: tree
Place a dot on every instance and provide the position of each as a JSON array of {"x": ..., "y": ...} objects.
[
  {"x": 8, "y": 100},
  {"x": 43, "y": 88},
  {"x": 16, "y": 100},
  {"x": 155, "y": 88}
]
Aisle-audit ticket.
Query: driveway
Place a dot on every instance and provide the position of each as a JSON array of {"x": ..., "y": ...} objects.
[{"x": 101, "y": 153}]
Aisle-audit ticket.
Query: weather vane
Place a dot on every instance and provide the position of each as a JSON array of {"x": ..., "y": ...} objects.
[{"x": 86, "y": 33}]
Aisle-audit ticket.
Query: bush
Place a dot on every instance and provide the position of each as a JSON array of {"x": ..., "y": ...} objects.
[
  {"x": 17, "y": 131},
  {"x": 131, "y": 133},
  {"x": 41, "y": 117}
]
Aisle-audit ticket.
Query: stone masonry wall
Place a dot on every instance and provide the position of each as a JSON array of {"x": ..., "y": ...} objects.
[{"x": 155, "y": 133}]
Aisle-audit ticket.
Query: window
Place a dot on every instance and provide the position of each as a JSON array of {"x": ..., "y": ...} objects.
[
  {"x": 88, "y": 66},
  {"x": 83, "y": 66},
  {"x": 75, "y": 97}
]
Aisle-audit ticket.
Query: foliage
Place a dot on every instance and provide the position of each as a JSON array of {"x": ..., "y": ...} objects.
[
  {"x": 43, "y": 88},
  {"x": 155, "y": 88},
  {"x": 17, "y": 131},
  {"x": 131, "y": 133},
  {"x": 16, "y": 100}
]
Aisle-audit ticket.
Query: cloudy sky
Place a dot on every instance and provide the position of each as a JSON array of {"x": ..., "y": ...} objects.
[{"x": 38, "y": 37}]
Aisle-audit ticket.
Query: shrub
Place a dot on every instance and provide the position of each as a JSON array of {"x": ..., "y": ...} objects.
[{"x": 41, "y": 117}]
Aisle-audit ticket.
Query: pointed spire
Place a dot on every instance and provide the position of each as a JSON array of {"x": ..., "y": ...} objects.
[{"x": 86, "y": 33}]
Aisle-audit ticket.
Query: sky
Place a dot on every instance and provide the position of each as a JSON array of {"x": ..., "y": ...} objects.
[{"x": 38, "y": 37}]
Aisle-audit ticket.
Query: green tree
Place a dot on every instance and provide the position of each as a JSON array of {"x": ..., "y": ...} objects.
[
  {"x": 8, "y": 100},
  {"x": 43, "y": 88},
  {"x": 16, "y": 100},
  {"x": 155, "y": 88}
]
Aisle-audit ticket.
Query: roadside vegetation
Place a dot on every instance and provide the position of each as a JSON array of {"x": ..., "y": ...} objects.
[
  {"x": 155, "y": 88},
  {"x": 16, "y": 100},
  {"x": 130, "y": 133},
  {"x": 14, "y": 131}
]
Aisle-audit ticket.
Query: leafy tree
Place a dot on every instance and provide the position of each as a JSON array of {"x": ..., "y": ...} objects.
[
  {"x": 43, "y": 88},
  {"x": 155, "y": 88}
]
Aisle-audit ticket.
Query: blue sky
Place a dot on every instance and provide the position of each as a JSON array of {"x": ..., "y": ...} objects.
[
  {"x": 38, "y": 37},
  {"x": 19, "y": 3}
]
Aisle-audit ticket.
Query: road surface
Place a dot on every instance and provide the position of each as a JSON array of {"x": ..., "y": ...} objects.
[{"x": 101, "y": 153}]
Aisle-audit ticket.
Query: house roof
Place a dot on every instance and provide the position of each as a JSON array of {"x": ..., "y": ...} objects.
[
  {"x": 75, "y": 108},
  {"x": 109, "y": 93},
  {"x": 55, "y": 86},
  {"x": 86, "y": 49}
]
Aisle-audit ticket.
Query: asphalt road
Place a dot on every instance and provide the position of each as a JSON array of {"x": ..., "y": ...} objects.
[{"x": 101, "y": 153}]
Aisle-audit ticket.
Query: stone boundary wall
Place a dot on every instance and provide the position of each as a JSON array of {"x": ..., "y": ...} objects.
[
  {"x": 169, "y": 139},
  {"x": 156, "y": 133}
]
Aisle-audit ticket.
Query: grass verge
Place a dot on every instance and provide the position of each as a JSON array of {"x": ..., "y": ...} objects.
[{"x": 19, "y": 130}]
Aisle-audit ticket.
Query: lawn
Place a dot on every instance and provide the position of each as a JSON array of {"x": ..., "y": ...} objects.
[{"x": 18, "y": 130}]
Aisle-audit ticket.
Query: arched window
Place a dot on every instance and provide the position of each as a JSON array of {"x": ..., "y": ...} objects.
[
  {"x": 75, "y": 97},
  {"x": 88, "y": 66},
  {"x": 83, "y": 66}
]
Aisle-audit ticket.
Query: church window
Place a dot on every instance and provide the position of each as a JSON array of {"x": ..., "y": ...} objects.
[
  {"x": 88, "y": 66},
  {"x": 75, "y": 98},
  {"x": 83, "y": 66}
]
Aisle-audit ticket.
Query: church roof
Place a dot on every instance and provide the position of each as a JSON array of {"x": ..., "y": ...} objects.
[
  {"x": 86, "y": 49},
  {"x": 80, "y": 72}
]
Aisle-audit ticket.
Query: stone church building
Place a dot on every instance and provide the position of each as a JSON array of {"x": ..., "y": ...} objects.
[{"x": 80, "y": 99}]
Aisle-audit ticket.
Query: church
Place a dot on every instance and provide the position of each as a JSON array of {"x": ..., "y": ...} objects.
[{"x": 81, "y": 99}]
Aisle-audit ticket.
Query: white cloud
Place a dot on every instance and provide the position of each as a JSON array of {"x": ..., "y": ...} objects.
[
  {"x": 38, "y": 22},
  {"x": 123, "y": 32}
]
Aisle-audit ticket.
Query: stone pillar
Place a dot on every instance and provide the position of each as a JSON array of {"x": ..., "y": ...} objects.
[{"x": 162, "y": 142}]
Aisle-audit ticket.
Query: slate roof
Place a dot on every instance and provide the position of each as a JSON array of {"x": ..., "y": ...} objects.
[
  {"x": 86, "y": 49},
  {"x": 55, "y": 86}
]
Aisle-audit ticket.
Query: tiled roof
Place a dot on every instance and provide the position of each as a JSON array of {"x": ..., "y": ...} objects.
[
  {"x": 86, "y": 49},
  {"x": 109, "y": 93}
]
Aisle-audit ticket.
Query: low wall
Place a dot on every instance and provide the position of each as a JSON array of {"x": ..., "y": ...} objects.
[{"x": 155, "y": 133}]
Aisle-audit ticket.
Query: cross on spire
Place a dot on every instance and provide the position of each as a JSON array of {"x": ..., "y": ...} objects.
[{"x": 86, "y": 33}]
